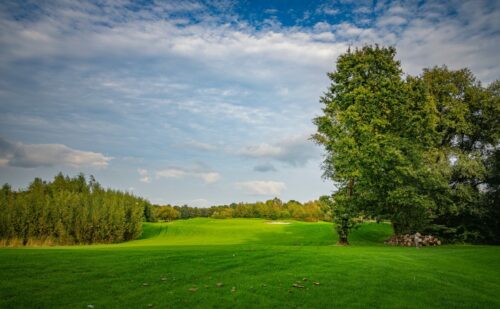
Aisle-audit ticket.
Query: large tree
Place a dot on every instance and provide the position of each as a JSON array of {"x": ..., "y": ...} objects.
[
  {"x": 468, "y": 132},
  {"x": 377, "y": 129}
]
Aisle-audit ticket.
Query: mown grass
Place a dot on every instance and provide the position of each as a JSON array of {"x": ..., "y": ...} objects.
[{"x": 259, "y": 262}]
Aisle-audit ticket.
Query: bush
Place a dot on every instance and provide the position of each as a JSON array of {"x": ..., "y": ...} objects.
[{"x": 68, "y": 211}]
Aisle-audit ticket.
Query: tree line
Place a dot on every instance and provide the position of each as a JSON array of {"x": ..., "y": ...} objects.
[
  {"x": 68, "y": 211},
  {"x": 421, "y": 151},
  {"x": 272, "y": 209},
  {"x": 72, "y": 210}
]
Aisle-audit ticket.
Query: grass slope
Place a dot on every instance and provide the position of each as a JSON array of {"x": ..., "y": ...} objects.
[{"x": 259, "y": 262}]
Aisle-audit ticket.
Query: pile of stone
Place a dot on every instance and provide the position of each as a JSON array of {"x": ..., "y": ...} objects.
[{"x": 413, "y": 240}]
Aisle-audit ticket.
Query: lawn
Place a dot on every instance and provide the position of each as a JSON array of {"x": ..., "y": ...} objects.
[{"x": 248, "y": 263}]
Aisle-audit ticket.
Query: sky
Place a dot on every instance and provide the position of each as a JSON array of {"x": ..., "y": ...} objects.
[{"x": 203, "y": 102}]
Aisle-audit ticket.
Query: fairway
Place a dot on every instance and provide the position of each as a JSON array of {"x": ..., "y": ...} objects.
[{"x": 248, "y": 263}]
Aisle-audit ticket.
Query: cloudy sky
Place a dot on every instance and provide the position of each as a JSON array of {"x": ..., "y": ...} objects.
[{"x": 202, "y": 102}]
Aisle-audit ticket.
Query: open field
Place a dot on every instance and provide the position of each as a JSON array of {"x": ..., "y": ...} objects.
[{"x": 179, "y": 264}]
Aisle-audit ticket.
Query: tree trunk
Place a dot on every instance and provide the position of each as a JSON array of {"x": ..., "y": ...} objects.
[
  {"x": 397, "y": 227},
  {"x": 344, "y": 233},
  {"x": 345, "y": 222},
  {"x": 343, "y": 240}
]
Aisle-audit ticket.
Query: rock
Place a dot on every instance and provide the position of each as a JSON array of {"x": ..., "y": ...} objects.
[{"x": 415, "y": 240}]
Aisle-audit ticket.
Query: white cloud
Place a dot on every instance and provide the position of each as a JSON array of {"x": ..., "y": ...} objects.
[
  {"x": 329, "y": 11},
  {"x": 144, "y": 175},
  {"x": 262, "y": 187},
  {"x": 216, "y": 109},
  {"x": 209, "y": 177},
  {"x": 200, "y": 202},
  {"x": 177, "y": 6},
  {"x": 294, "y": 150},
  {"x": 397, "y": 10},
  {"x": 326, "y": 10},
  {"x": 262, "y": 150},
  {"x": 200, "y": 145},
  {"x": 391, "y": 21},
  {"x": 323, "y": 26},
  {"x": 36, "y": 155},
  {"x": 171, "y": 173},
  {"x": 363, "y": 10}
]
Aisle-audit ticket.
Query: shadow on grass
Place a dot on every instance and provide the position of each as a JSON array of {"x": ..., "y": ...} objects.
[{"x": 151, "y": 230}]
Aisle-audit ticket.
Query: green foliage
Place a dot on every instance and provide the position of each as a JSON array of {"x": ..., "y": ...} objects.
[
  {"x": 345, "y": 216},
  {"x": 150, "y": 213},
  {"x": 419, "y": 151},
  {"x": 68, "y": 211},
  {"x": 167, "y": 213},
  {"x": 273, "y": 209},
  {"x": 224, "y": 213},
  {"x": 376, "y": 128},
  {"x": 468, "y": 133}
]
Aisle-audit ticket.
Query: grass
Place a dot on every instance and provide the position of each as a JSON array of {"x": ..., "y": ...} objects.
[{"x": 259, "y": 262}]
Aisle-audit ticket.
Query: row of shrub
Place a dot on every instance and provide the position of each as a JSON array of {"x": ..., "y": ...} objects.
[{"x": 68, "y": 211}]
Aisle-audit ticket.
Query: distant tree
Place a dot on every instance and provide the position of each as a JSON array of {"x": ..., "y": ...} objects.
[
  {"x": 167, "y": 213},
  {"x": 149, "y": 213},
  {"x": 271, "y": 209},
  {"x": 223, "y": 213},
  {"x": 274, "y": 208},
  {"x": 186, "y": 212}
]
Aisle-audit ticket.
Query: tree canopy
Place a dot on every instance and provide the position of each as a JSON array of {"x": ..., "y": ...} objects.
[{"x": 400, "y": 148}]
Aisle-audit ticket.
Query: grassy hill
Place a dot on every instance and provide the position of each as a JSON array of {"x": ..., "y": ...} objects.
[{"x": 180, "y": 264}]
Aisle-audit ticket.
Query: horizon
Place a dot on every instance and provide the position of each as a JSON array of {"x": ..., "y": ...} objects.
[{"x": 203, "y": 103}]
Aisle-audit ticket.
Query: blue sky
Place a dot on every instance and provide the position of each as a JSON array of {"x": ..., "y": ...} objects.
[{"x": 202, "y": 102}]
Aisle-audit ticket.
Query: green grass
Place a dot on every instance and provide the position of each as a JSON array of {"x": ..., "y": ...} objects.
[{"x": 261, "y": 261}]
